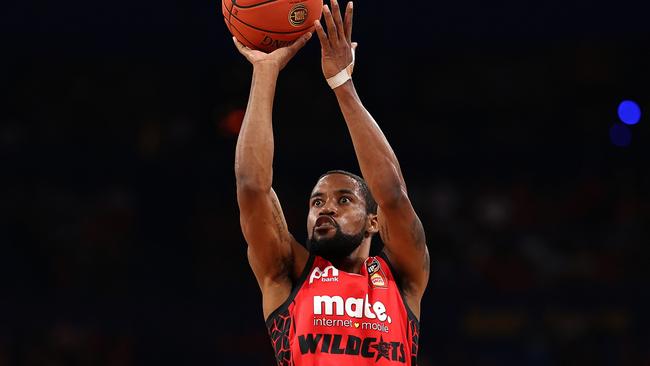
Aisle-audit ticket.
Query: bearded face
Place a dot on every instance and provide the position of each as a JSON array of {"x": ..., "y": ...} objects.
[
  {"x": 338, "y": 221},
  {"x": 333, "y": 247}
]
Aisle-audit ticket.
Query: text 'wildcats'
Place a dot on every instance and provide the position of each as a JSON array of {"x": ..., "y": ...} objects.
[{"x": 354, "y": 346}]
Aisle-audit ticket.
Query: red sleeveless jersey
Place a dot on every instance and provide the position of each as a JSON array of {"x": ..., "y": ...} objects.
[{"x": 336, "y": 318}]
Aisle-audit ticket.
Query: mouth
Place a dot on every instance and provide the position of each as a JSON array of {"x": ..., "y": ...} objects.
[
  {"x": 324, "y": 230},
  {"x": 324, "y": 222}
]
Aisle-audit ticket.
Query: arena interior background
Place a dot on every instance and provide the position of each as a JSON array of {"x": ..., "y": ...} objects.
[{"x": 120, "y": 242}]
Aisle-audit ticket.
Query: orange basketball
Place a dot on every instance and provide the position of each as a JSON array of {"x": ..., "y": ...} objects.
[{"x": 269, "y": 24}]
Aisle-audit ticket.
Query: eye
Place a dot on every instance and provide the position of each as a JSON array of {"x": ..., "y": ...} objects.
[
  {"x": 317, "y": 202},
  {"x": 344, "y": 200}
]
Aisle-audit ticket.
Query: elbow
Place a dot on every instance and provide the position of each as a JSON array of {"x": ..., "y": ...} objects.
[
  {"x": 252, "y": 183},
  {"x": 392, "y": 196},
  {"x": 250, "y": 180},
  {"x": 252, "y": 175}
]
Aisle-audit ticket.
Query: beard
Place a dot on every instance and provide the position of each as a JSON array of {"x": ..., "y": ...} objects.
[{"x": 336, "y": 247}]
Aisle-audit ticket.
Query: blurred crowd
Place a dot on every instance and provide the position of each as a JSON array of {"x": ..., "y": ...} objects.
[{"x": 120, "y": 231}]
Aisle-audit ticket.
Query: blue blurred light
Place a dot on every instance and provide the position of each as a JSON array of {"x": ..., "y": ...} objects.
[
  {"x": 620, "y": 135},
  {"x": 629, "y": 112}
]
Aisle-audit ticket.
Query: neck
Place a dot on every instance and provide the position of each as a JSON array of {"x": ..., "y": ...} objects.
[
  {"x": 353, "y": 262},
  {"x": 349, "y": 264}
]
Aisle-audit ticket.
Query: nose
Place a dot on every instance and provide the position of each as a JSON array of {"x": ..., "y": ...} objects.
[{"x": 328, "y": 209}]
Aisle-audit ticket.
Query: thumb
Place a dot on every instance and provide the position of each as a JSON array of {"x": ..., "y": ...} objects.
[
  {"x": 354, "y": 45},
  {"x": 240, "y": 47},
  {"x": 238, "y": 44}
]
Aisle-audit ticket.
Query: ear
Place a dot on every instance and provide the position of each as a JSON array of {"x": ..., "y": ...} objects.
[{"x": 372, "y": 224}]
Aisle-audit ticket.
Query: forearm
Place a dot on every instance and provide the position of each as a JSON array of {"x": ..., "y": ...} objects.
[
  {"x": 378, "y": 163},
  {"x": 254, "y": 152}
]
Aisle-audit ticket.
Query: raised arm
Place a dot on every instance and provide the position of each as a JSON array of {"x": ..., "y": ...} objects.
[
  {"x": 400, "y": 227},
  {"x": 273, "y": 253}
]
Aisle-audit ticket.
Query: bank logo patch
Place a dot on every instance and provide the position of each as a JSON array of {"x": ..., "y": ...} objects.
[{"x": 329, "y": 274}]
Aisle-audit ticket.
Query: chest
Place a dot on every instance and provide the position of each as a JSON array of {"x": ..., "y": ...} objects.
[{"x": 349, "y": 299}]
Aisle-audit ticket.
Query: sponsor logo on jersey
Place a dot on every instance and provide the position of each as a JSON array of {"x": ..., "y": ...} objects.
[
  {"x": 369, "y": 347},
  {"x": 349, "y": 323},
  {"x": 373, "y": 266},
  {"x": 354, "y": 307},
  {"x": 376, "y": 274},
  {"x": 329, "y": 274},
  {"x": 377, "y": 280}
]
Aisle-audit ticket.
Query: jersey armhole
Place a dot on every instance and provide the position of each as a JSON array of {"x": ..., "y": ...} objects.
[
  {"x": 297, "y": 285},
  {"x": 398, "y": 282}
]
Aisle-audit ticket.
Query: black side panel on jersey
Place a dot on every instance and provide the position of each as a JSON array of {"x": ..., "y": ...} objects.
[
  {"x": 414, "y": 333},
  {"x": 279, "y": 326},
  {"x": 279, "y": 322},
  {"x": 413, "y": 321}
]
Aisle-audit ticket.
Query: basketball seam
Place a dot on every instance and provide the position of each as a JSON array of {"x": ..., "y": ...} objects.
[
  {"x": 240, "y": 33},
  {"x": 234, "y": 3},
  {"x": 228, "y": 19},
  {"x": 266, "y": 30}
]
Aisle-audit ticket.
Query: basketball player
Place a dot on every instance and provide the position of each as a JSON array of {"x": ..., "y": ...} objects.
[{"x": 332, "y": 303}]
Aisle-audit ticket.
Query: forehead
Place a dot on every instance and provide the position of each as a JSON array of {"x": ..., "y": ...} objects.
[{"x": 337, "y": 182}]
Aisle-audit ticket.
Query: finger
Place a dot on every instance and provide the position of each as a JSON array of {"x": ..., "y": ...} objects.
[
  {"x": 354, "y": 51},
  {"x": 300, "y": 42},
  {"x": 348, "y": 22},
  {"x": 336, "y": 13},
  {"x": 331, "y": 27},
  {"x": 322, "y": 36}
]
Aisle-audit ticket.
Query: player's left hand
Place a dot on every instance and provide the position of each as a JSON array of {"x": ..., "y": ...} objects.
[{"x": 336, "y": 45}]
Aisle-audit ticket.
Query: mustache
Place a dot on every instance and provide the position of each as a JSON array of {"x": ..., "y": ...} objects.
[
  {"x": 334, "y": 223},
  {"x": 336, "y": 247}
]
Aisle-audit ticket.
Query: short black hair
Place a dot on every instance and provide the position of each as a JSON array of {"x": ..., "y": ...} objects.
[{"x": 371, "y": 204}]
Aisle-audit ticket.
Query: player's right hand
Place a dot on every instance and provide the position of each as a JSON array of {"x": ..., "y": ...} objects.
[{"x": 278, "y": 58}]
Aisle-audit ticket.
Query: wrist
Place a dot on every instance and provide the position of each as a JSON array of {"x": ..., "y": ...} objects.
[
  {"x": 266, "y": 68},
  {"x": 346, "y": 94},
  {"x": 339, "y": 79},
  {"x": 343, "y": 76},
  {"x": 346, "y": 88}
]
